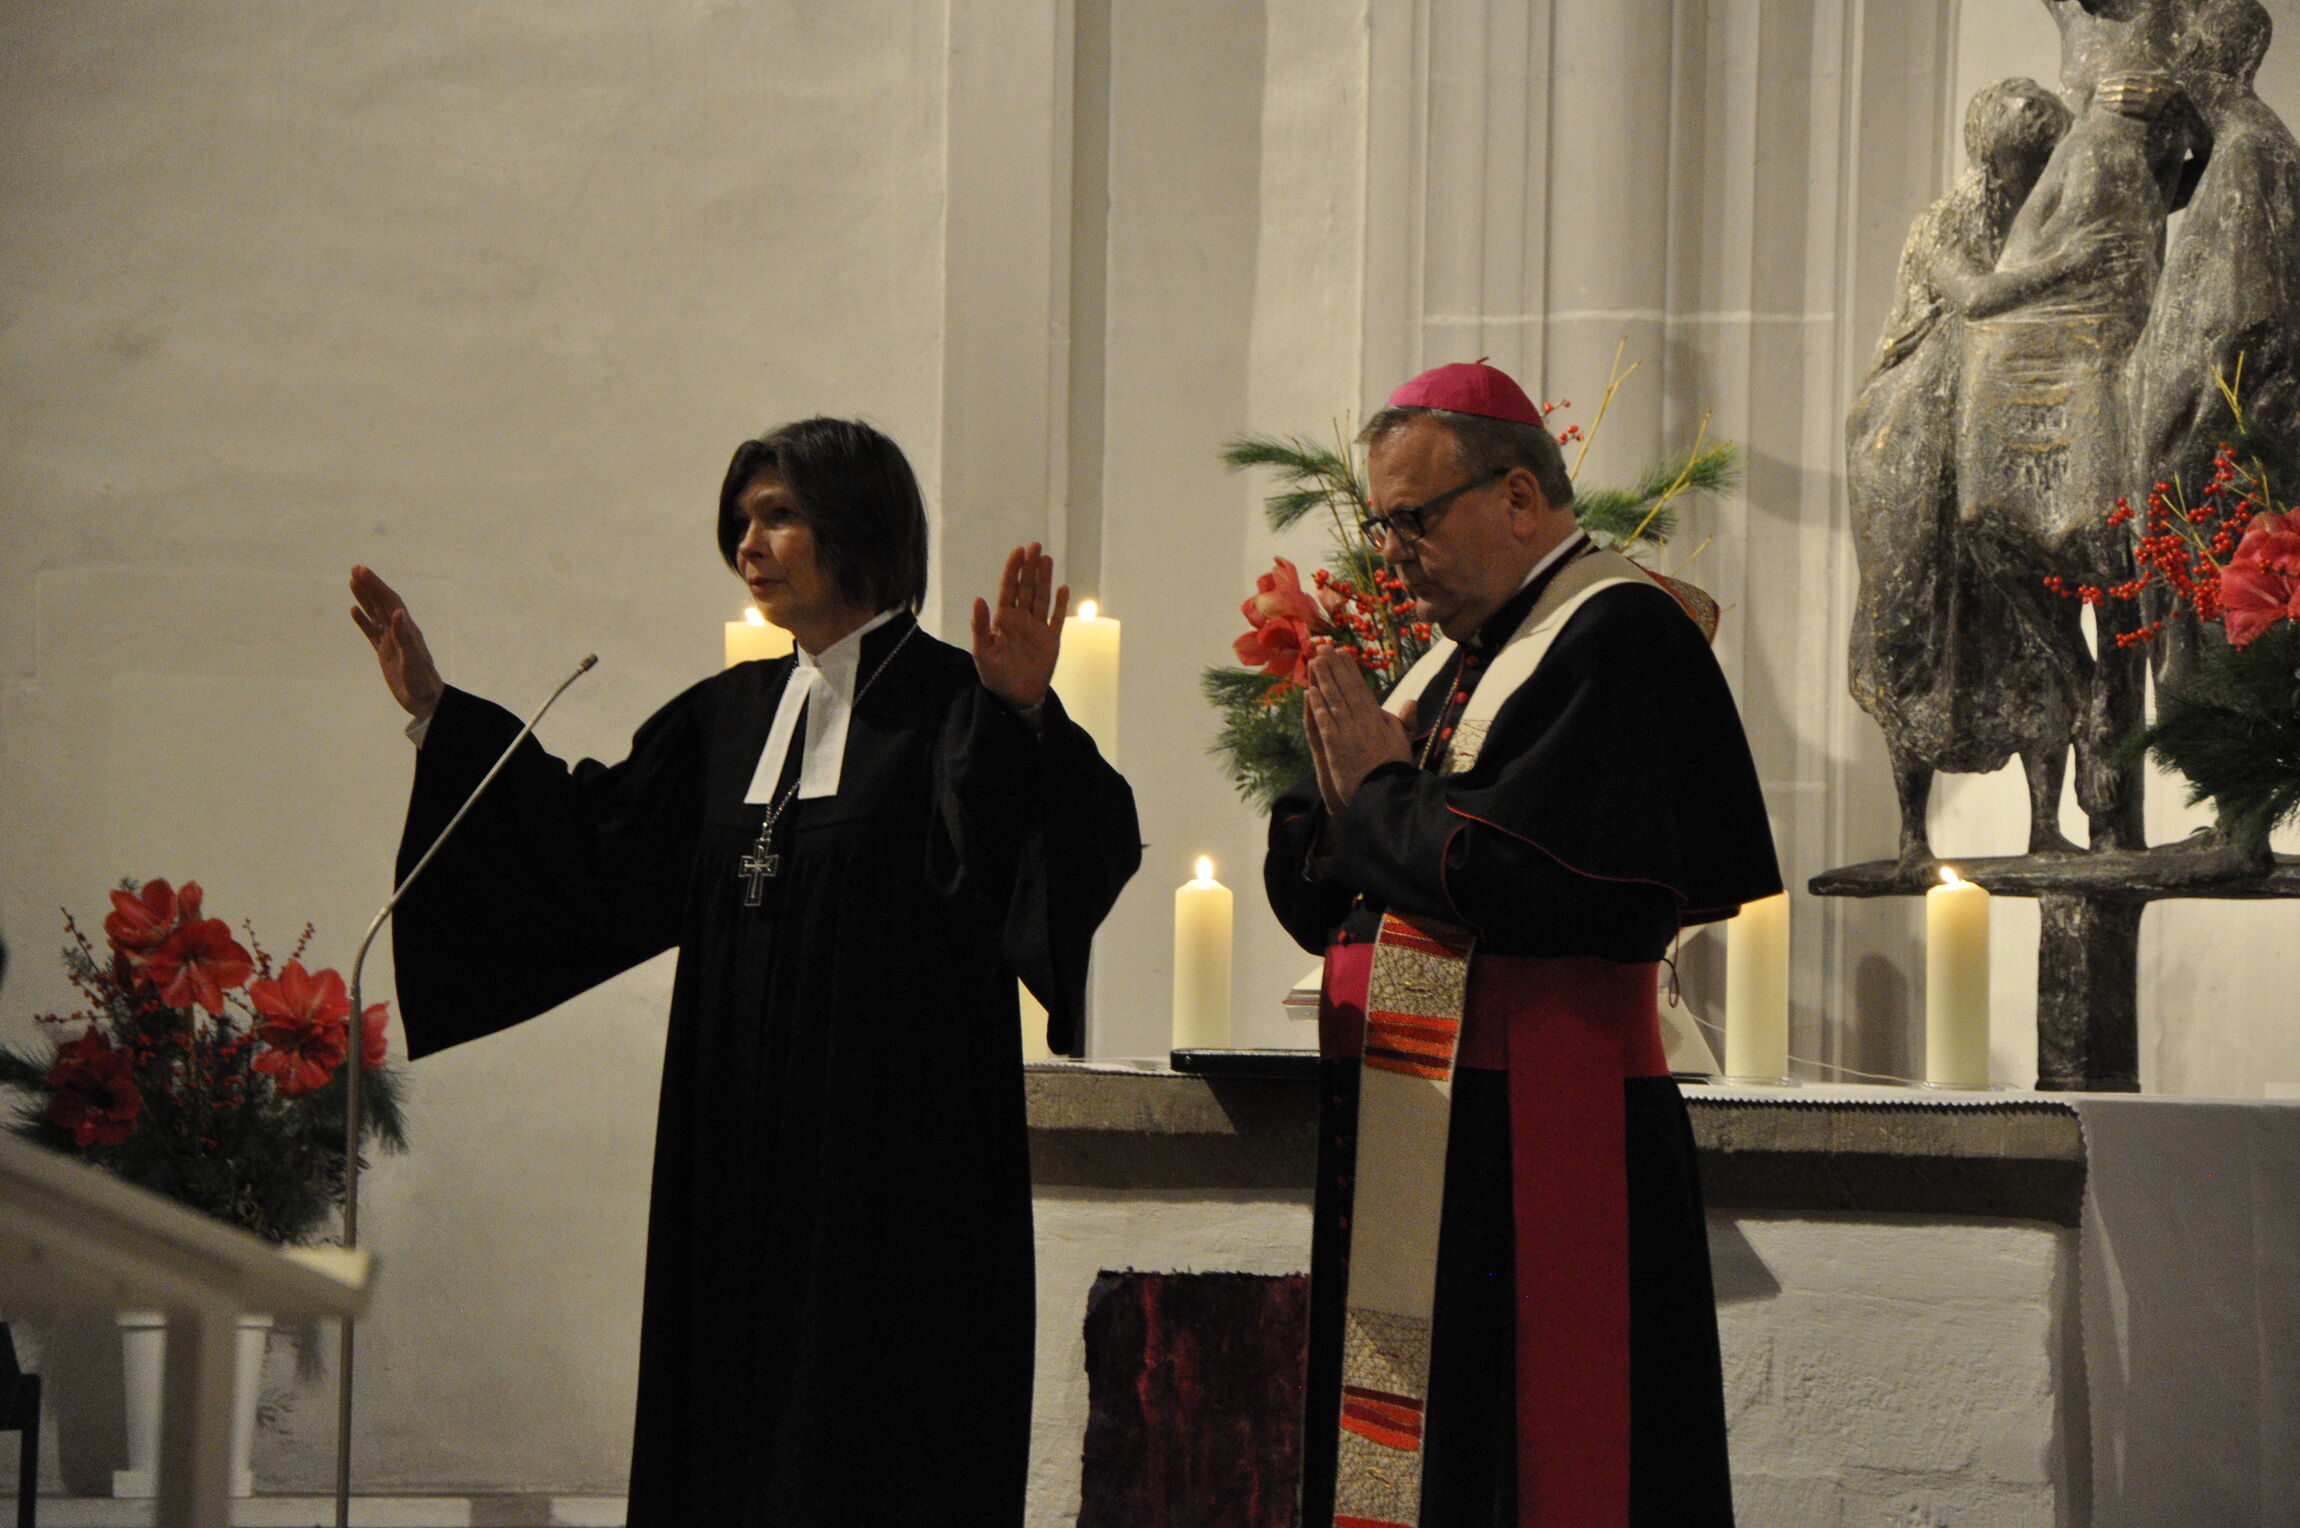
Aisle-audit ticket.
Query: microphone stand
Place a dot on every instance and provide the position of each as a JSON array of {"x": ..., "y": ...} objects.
[{"x": 351, "y": 1076}]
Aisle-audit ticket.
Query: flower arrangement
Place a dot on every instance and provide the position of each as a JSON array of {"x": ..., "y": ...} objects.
[
  {"x": 2229, "y": 567},
  {"x": 203, "y": 1072},
  {"x": 1356, "y": 604}
]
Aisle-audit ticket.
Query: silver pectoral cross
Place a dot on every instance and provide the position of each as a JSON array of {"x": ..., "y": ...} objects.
[{"x": 756, "y": 867}]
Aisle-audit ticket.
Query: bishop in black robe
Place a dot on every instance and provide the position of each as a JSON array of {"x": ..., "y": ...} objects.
[{"x": 1574, "y": 1375}]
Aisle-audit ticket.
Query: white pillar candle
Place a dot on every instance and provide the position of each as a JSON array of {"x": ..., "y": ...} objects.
[
  {"x": 755, "y": 637},
  {"x": 1757, "y": 990},
  {"x": 1202, "y": 962},
  {"x": 1956, "y": 983},
  {"x": 1086, "y": 676}
]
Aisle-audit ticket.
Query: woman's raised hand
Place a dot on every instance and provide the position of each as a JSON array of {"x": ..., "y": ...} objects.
[
  {"x": 1016, "y": 644},
  {"x": 381, "y": 616}
]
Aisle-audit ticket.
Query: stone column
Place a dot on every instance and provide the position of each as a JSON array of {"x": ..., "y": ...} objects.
[
  {"x": 1006, "y": 297},
  {"x": 1517, "y": 196},
  {"x": 1611, "y": 109}
]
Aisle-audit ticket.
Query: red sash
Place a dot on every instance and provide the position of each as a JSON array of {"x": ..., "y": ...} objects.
[{"x": 1569, "y": 1031}]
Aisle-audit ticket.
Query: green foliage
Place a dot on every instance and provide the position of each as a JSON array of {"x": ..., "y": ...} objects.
[
  {"x": 2233, "y": 729},
  {"x": 1261, "y": 745},
  {"x": 1317, "y": 477},
  {"x": 1645, "y": 513},
  {"x": 2231, "y": 724}
]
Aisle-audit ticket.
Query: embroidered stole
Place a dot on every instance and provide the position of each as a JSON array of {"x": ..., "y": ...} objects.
[{"x": 1413, "y": 1030}]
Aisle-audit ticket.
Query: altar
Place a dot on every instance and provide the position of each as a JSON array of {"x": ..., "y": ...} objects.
[{"x": 1988, "y": 1307}]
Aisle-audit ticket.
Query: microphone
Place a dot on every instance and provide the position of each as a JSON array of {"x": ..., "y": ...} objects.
[{"x": 351, "y": 1064}]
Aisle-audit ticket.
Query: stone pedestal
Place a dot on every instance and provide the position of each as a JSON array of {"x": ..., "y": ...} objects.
[
  {"x": 2087, "y": 995},
  {"x": 2087, "y": 978}
]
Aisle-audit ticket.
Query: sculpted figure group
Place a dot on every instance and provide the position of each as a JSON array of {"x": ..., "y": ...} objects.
[{"x": 2048, "y": 353}]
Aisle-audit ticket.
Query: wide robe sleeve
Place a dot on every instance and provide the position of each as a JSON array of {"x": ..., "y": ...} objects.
[
  {"x": 1043, "y": 827},
  {"x": 559, "y": 878},
  {"x": 1308, "y": 900},
  {"x": 1614, "y": 800}
]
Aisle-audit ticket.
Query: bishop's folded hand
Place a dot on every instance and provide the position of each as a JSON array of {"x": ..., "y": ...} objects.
[
  {"x": 1016, "y": 643},
  {"x": 381, "y": 616},
  {"x": 1350, "y": 735}
]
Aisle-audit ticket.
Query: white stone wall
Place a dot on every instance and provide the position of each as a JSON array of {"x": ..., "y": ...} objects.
[
  {"x": 1898, "y": 1370},
  {"x": 481, "y": 294}
]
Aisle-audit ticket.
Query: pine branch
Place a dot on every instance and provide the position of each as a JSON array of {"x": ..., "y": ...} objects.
[
  {"x": 1645, "y": 511},
  {"x": 1288, "y": 454},
  {"x": 1318, "y": 478},
  {"x": 1261, "y": 744},
  {"x": 1287, "y": 508},
  {"x": 18, "y": 1070},
  {"x": 2233, "y": 729}
]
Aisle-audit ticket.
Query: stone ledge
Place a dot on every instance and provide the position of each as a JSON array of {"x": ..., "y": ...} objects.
[
  {"x": 268, "y": 1511},
  {"x": 2182, "y": 870},
  {"x": 2043, "y": 1130},
  {"x": 2013, "y": 1158},
  {"x": 1165, "y": 1130},
  {"x": 2018, "y": 1159}
]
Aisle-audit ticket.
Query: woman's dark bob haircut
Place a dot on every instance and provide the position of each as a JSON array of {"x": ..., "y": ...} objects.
[{"x": 859, "y": 496}]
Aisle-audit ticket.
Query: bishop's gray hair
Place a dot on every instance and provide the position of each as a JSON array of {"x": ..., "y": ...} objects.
[{"x": 1483, "y": 446}]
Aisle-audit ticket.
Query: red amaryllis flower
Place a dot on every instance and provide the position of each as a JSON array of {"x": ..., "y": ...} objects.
[
  {"x": 198, "y": 963},
  {"x": 1277, "y": 647},
  {"x": 2261, "y": 584},
  {"x": 141, "y": 922},
  {"x": 1285, "y": 620},
  {"x": 93, "y": 1091},
  {"x": 303, "y": 1027},
  {"x": 2273, "y": 540},
  {"x": 1278, "y": 595}
]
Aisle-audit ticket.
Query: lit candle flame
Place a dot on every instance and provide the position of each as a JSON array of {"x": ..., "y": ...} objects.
[
  {"x": 1949, "y": 876},
  {"x": 1086, "y": 609},
  {"x": 752, "y": 615},
  {"x": 1205, "y": 868}
]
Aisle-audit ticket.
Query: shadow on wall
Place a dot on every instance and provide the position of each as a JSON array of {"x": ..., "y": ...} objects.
[
  {"x": 1884, "y": 1038},
  {"x": 1701, "y": 982},
  {"x": 84, "y": 1397},
  {"x": 1740, "y": 1274}
]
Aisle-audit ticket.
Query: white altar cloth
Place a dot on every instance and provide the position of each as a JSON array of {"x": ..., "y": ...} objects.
[
  {"x": 2188, "y": 1294},
  {"x": 2190, "y": 1286}
]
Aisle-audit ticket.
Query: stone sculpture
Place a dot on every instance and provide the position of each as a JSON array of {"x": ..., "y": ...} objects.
[
  {"x": 2040, "y": 364},
  {"x": 1935, "y": 658},
  {"x": 2228, "y": 304},
  {"x": 2040, "y": 440},
  {"x": 2045, "y": 357}
]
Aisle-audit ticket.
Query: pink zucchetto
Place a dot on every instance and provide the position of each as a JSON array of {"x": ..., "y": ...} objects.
[{"x": 1468, "y": 387}]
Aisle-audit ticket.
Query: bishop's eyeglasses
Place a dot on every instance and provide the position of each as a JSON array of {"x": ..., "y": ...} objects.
[{"x": 1412, "y": 523}]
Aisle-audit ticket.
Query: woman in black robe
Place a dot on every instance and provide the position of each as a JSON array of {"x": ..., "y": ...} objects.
[{"x": 838, "y": 1316}]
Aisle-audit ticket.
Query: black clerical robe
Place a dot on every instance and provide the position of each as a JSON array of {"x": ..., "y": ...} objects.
[
  {"x": 1611, "y": 801},
  {"x": 838, "y": 1314}
]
